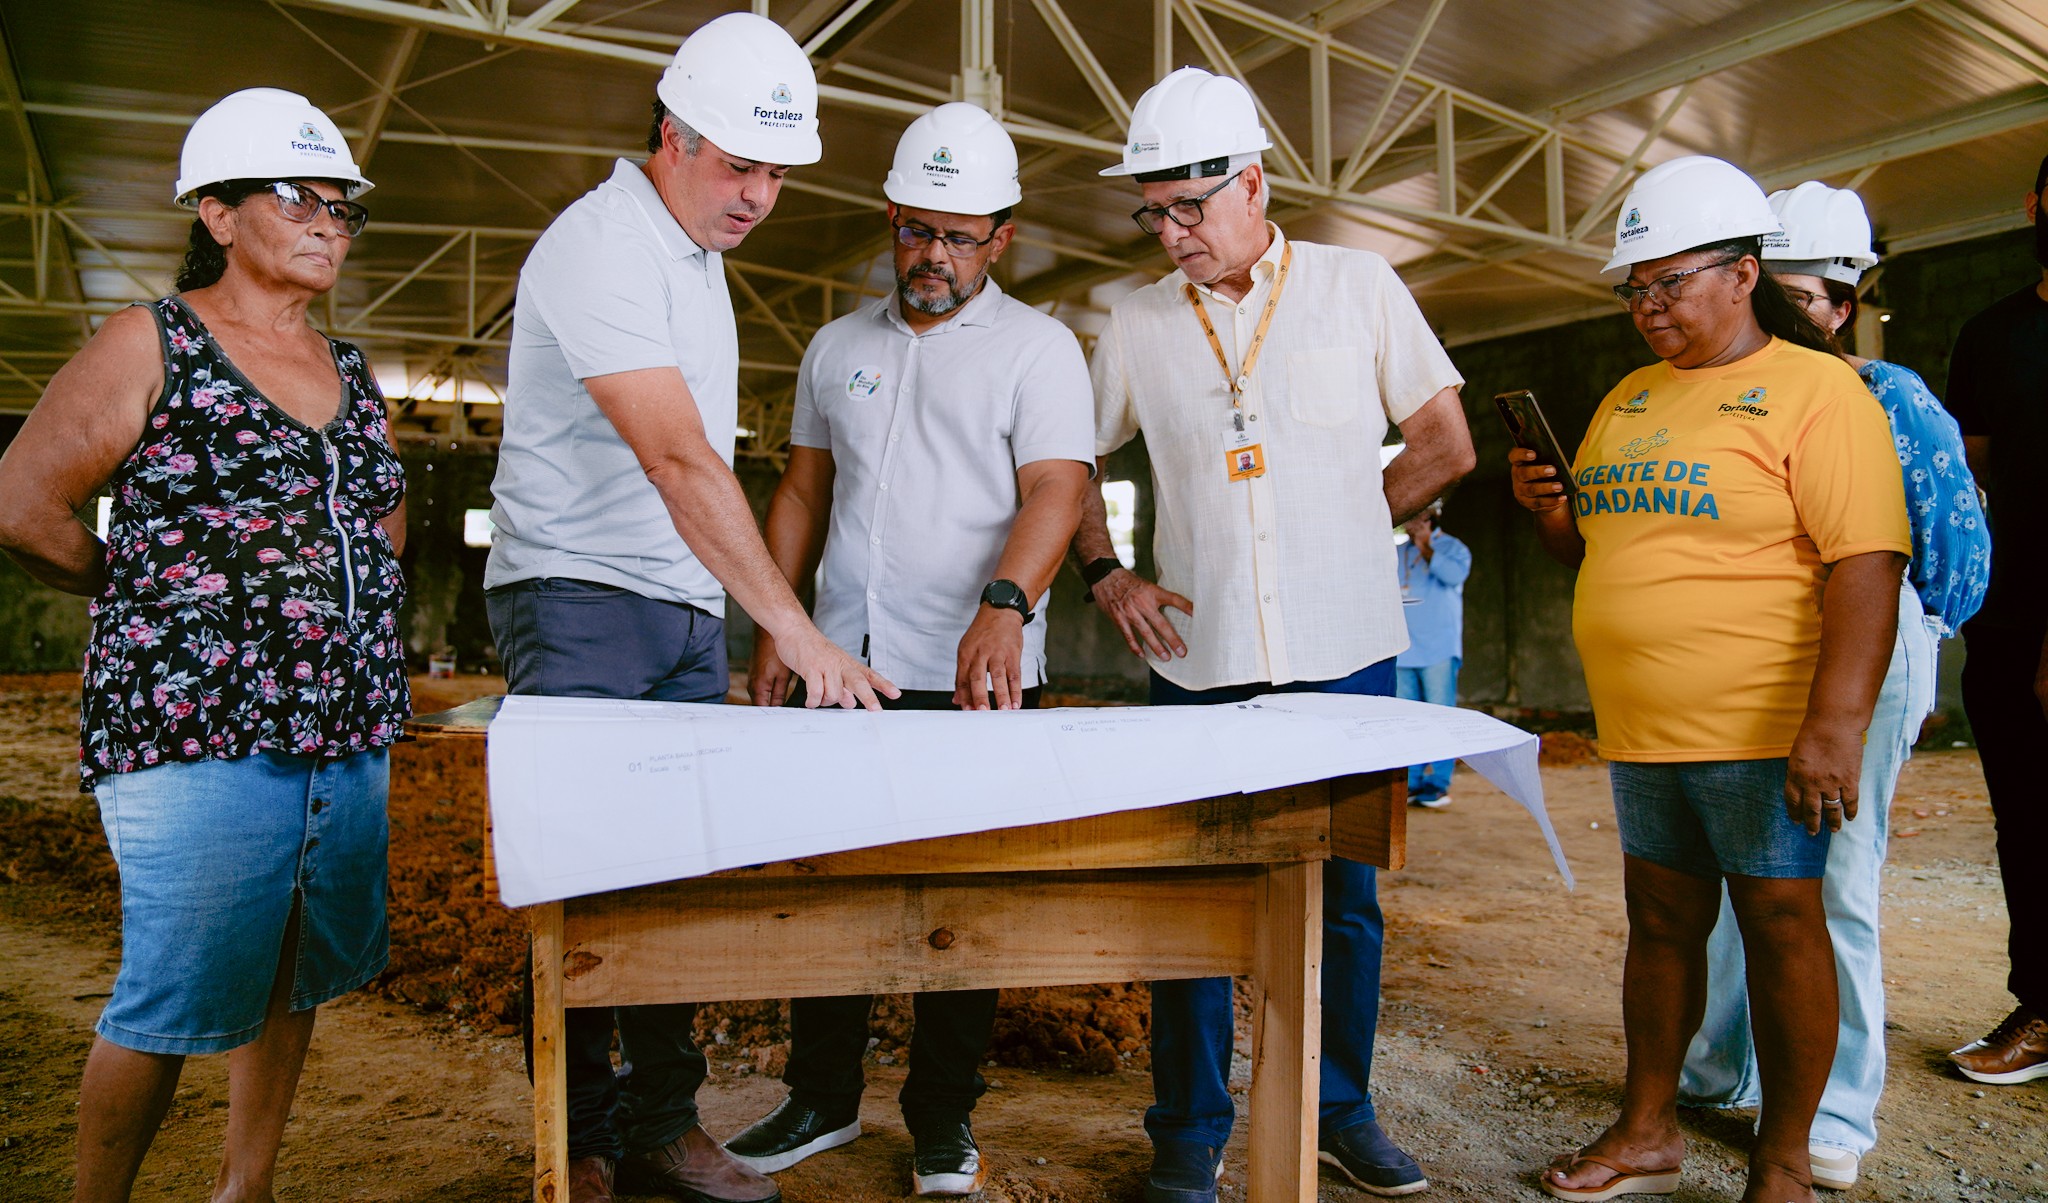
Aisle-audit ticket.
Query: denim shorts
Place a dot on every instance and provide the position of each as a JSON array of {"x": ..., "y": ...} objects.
[
  {"x": 1711, "y": 817},
  {"x": 213, "y": 855}
]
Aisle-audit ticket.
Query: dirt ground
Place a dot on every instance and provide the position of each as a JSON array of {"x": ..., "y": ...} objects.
[{"x": 1500, "y": 1031}]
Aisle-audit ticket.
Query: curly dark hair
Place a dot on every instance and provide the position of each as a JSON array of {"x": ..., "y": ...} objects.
[{"x": 206, "y": 260}]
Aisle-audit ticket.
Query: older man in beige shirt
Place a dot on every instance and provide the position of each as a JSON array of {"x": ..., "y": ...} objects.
[{"x": 1264, "y": 374}]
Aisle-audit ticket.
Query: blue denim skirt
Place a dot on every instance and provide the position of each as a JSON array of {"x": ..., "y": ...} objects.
[{"x": 213, "y": 857}]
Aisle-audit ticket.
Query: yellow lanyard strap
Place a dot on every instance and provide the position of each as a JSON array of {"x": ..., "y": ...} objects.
[{"x": 1243, "y": 379}]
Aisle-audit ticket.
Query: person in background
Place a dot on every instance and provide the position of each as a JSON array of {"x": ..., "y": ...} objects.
[
  {"x": 244, "y": 674},
  {"x": 1739, "y": 528},
  {"x": 620, "y": 525},
  {"x": 941, "y": 442},
  {"x": 1264, "y": 374},
  {"x": 1998, "y": 391},
  {"x": 1434, "y": 566}
]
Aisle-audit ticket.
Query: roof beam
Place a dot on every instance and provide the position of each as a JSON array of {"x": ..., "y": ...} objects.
[
  {"x": 455, "y": 25},
  {"x": 50, "y": 241},
  {"x": 1782, "y": 35},
  {"x": 402, "y": 60},
  {"x": 1991, "y": 35},
  {"x": 2015, "y": 110}
]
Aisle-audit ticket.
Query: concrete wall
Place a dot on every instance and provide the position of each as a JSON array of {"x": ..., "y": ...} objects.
[{"x": 1518, "y": 604}]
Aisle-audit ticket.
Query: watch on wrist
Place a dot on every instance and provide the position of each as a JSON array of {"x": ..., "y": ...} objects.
[{"x": 1006, "y": 595}]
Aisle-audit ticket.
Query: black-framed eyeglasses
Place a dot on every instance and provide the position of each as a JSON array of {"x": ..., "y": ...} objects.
[
  {"x": 1184, "y": 213},
  {"x": 300, "y": 203},
  {"x": 1664, "y": 289},
  {"x": 957, "y": 245},
  {"x": 1803, "y": 298}
]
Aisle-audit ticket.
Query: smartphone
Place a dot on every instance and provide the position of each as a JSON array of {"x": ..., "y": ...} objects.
[{"x": 1531, "y": 430}]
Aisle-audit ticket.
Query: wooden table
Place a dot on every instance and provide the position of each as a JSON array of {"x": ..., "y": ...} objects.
[{"x": 1212, "y": 887}]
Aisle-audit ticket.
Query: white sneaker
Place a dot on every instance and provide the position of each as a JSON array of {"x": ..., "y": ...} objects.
[
  {"x": 1437, "y": 803},
  {"x": 1833, "y": 1168}
]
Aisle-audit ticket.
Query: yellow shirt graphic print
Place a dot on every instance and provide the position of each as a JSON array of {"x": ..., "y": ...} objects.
[{"x": 1710, "y": 500}]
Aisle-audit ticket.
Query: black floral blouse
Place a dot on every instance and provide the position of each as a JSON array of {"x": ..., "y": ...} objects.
[{"x": 252, "y": 600}]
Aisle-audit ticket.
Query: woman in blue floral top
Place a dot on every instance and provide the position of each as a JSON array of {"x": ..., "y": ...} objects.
[
  {"x": 1821, "y": 257},
  {"x": 245, "y": 669}
]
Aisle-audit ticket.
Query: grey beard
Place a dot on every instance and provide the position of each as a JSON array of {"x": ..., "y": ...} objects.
[{"x": 936, "y": 306}]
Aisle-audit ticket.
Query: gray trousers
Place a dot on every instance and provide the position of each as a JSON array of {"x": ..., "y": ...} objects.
[{"x": 569, "y": 638}]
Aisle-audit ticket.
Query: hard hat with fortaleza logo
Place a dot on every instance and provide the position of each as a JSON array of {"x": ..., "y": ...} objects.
[
  {"x": 955, "y": 159},
  {"x": 1186, "y": 123},
  {"x": 745, "y": 84},
  {"x": 1688, "y": 202},
  {"x": 1827, "y": 233},
  {"x": 264, "y": 134}
]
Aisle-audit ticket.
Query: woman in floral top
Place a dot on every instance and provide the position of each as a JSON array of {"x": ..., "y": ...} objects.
[
  {"x": 1827, "y": 247},
  {"x": 245, "y": 670}
]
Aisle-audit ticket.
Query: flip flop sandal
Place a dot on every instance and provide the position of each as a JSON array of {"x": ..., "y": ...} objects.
[{"x": 1627, "y": 1180}]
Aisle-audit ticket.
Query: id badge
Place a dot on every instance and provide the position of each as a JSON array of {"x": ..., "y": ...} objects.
[{"x": 1243, "y": 457}]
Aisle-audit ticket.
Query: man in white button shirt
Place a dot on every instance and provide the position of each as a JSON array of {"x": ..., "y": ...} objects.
[
  {"x": 620, "y": 524},
  {"x": 942, "y": 441},
  {"x": 1264, "y": 374}
]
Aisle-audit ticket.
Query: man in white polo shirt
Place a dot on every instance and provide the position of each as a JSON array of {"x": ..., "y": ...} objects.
[
  {"x": 1264, "y": 374},
  {"x": 942, "y": 440},
  {"x": 620, "y": 524}
]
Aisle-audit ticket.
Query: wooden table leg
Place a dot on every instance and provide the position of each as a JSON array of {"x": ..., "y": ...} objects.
[
  {"x": 1287, "y": 1017},
  {"x": 550, "y": 1066}
]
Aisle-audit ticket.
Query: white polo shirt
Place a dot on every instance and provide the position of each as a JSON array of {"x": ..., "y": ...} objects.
[
  {"x": 1292, "y": 573},
  {"x": 926, "y": 433},
  {"x": 614, "y": 285}
]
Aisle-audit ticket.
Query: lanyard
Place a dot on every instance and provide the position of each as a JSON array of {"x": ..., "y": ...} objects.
[{"x": 1243, "y": 379}]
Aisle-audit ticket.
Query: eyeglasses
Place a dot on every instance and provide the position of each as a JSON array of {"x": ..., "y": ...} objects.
[
  {"x": 1805, "y": 299},
  {"x": 1184, "y": 213},
  {"x": 300, "y": 203},
  {"x": 1664, "y": 289},
  {"x": 957, "y": 245}
]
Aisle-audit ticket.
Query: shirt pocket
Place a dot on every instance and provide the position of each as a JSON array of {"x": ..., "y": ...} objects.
[{"x": 1329, "y": 386}]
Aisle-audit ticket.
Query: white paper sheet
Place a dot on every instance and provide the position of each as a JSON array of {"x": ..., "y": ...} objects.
[{"x": 593, "y": 794}]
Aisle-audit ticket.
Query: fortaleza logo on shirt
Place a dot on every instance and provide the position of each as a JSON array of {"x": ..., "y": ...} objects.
[
  {"x": 863, "y": 383},
  {"x": 1634, "y": 405},
  {"x": 1748, "y": 407},
  {"x": 1674, "y": 486}
]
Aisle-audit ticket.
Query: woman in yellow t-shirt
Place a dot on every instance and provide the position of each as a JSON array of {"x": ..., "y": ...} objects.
[{"x": 1739, "y": 526}]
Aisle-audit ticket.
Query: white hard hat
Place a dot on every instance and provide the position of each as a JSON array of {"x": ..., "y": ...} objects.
[
  {"x": 955, "y": 159},
  {"x": 744, "y": 83},
  {"x": 264, "y": 134},
  {"x": 1189, "y": 121},
  {"x": 1827, "y": 233},
  {"x": 1688, "y": 202}
]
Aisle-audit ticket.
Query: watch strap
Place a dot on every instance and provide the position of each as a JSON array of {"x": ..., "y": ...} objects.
[{"x": 1094, "y": 570}]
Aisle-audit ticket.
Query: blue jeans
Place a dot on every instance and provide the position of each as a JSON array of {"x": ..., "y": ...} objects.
[
  {"x": 214, "y": 855},
  {"x": 575, "y": 639},
  {"x": 1192, "y": 1020},
  {"x": 1720, "y": 1066},
  {"x": 1436, "y": 684}
]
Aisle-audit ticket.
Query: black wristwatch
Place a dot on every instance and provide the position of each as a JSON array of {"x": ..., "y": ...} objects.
[
  {"x": 1094, "y": 570},
  {"x": 1007, "y": 595}
]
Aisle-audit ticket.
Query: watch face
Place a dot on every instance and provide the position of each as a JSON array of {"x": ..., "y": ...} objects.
[{"x": 1004, "y": 593}]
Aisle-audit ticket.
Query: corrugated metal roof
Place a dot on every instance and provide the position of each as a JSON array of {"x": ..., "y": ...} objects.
[{"x": 1947, "y": 99}]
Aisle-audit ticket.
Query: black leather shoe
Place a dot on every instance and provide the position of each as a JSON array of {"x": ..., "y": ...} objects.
[
  {"x": 946, "y": 1161},
  {"x": 789, "y": 1134},
  {"x": 1183, "y": 1172},
  {"x": 1371, "y": 1161}
]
